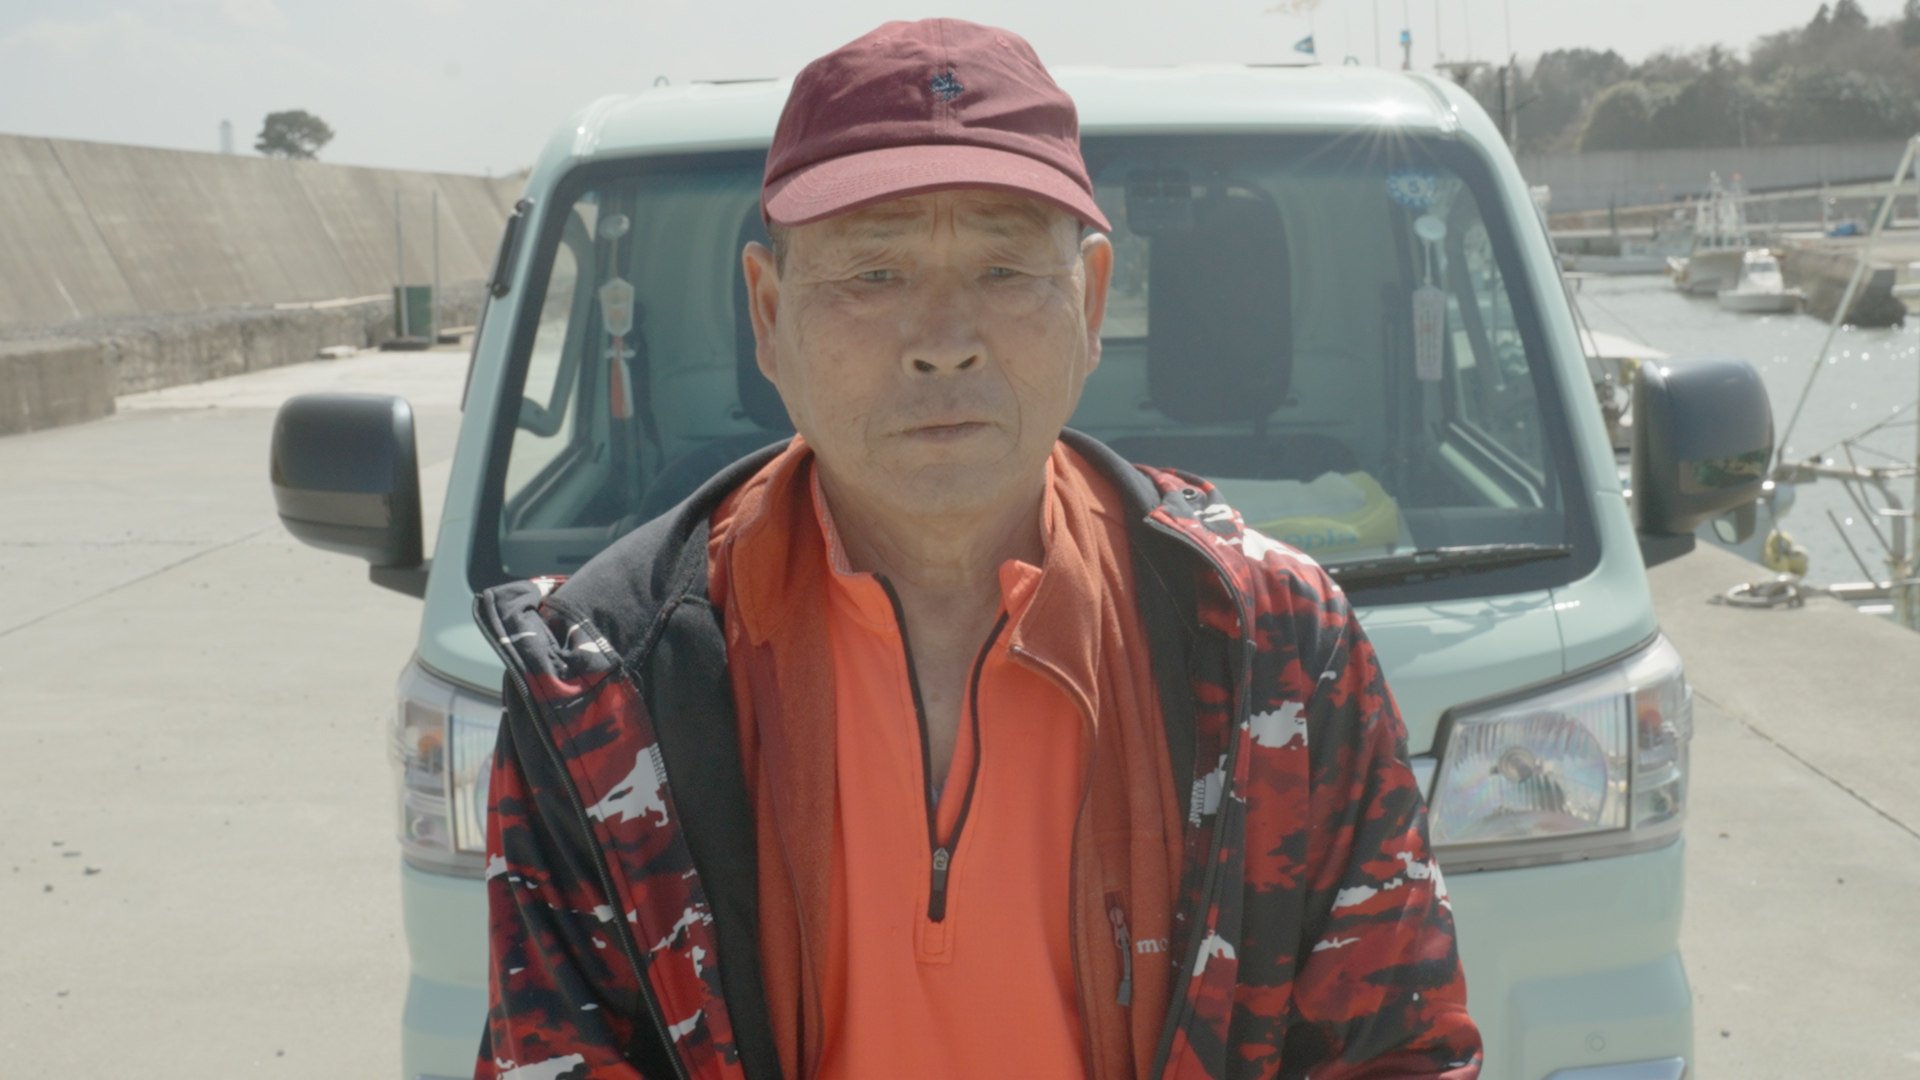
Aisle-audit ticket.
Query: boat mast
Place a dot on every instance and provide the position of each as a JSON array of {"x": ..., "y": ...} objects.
[{"x": 1905, "y": 570}]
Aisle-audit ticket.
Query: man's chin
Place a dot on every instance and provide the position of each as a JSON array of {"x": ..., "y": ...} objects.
[{"x": 965, "y": 487}]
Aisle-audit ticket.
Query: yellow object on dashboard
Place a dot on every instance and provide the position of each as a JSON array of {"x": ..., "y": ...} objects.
[{"x": 1339, "y": 513}]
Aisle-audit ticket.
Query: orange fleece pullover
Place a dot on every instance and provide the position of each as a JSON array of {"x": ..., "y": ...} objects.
[{"x": 769, "y": 566}]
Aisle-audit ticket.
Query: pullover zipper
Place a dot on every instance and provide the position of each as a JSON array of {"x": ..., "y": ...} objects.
[
  {"x": 622, "y": 933},
  {"x": 942, "y": 850},
  {"x": 1088, "y": 757}
]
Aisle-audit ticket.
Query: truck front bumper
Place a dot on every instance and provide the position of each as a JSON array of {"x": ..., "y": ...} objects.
[
  {"x": 446, "y": 924},
  {"x": 1573, "y": 970}
]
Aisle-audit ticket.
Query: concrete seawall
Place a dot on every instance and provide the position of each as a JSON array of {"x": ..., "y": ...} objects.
[
  {"x": 91, "y": 230},
  {"x": 126, "y": 268},
  {"x": 1598, "y": 179}
]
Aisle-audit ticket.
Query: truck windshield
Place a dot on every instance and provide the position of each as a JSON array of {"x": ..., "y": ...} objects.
[{"x": 1335, "y": 331}]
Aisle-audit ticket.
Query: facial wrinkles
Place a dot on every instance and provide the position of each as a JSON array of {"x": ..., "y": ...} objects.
[
  {"x": 917, "y": 294},
  {"x": 1016, "y": 229},
  {"x": 937, "y": 262}
]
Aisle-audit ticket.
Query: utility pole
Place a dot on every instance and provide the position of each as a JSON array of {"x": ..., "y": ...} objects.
[
  {"x": 1505, "y": 109},
  {"x": 1511, "y": 77},
  {"x": 1913, "y": 532},
  {"x": 1406, "y": 35}
]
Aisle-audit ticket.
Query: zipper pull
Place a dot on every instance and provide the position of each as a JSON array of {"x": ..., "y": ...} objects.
[
  {"x": 1117, "y": 915},
  {"x": 937, "y": 903}
]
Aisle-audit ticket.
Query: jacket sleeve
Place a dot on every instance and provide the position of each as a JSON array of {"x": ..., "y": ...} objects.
[
  {"x": 563, "y": 999},
  {"x": 1379, "y": 991}
]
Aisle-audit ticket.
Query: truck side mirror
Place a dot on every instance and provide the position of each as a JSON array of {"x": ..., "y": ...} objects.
[
  {"x": 346, "y": 478},
  {"x": 1702, "y": 439}
]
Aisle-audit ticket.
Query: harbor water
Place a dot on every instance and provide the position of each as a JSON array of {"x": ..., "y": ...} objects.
[{"x": 1869, "y": 379}]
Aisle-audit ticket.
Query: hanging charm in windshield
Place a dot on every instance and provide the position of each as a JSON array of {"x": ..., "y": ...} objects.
[{"x": 1429, "y": 302}]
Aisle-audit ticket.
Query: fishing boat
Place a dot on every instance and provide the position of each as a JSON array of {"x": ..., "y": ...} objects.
[
  {"x": 1634, "y": 256},
  {"x": 1720, "y": 243},
  {"x": 1760, "y": 289}
]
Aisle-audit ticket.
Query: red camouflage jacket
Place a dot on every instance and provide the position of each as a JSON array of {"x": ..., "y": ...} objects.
[{"x": 1313, "y": 937}]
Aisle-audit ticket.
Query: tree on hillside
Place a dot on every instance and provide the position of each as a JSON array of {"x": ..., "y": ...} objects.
[
  {"x": 1840, "y": 75},
  {"x": 1823, "y": 104},
  {"x": 1619, "y": 118},
  {"x": 1670, "y": 67},
  {"x": 295, "y": 133},
  {"x": 1838, "y": 44},
  {"x": 1557, "y": 90},
  {"x": 1718, "y": 107}
]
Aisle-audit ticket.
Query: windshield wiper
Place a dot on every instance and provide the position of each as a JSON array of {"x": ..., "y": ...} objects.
[{"x": 1430, "y": 564}]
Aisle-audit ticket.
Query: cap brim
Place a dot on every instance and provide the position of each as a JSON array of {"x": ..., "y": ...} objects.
[{"x": 844, "y": 184}]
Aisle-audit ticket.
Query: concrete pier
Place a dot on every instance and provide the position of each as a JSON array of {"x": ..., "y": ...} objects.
[{"x": 1822, "y": 266}]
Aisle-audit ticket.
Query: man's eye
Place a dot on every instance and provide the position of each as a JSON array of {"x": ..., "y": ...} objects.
[
  {"x": 1002, "y": 272},
  {"x": 875, "y": 276}
]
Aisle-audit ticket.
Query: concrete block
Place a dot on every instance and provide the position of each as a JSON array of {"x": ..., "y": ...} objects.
[
  {"x": 47, "y": 382},
  {"x": 142, "y": 354}
]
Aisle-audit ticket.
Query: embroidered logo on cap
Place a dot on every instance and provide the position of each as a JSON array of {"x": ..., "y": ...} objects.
[{"x": 946, "y": 87}]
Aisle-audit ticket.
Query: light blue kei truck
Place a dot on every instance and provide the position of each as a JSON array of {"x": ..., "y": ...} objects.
[{"x": 1433, "y": 438}]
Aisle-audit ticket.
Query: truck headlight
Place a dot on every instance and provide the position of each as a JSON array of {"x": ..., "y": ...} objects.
[
  {"x": 442, "y": 752},
  {"x": 1590, "y": 767}
]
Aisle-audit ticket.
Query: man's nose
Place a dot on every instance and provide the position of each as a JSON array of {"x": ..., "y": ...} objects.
[{"x": 943, "y": 332}]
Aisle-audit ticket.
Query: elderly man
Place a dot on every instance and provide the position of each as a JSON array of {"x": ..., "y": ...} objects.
[{"x": 940, "y": 742}]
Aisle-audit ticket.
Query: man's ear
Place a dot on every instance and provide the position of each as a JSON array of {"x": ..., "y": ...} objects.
[
  {"x": 763, "y": 303},
  {"x": 1096, "y": 255}
]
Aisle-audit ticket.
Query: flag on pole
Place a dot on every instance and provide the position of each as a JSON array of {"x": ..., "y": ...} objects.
[{"x": 1304, "y": 45}]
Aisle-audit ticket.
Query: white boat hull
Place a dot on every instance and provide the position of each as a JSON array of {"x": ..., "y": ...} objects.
[
  {"x": 1616, "y": 264},
  {"x": 1707, "y": 272},
  {"x": 1758, "y": 302}
]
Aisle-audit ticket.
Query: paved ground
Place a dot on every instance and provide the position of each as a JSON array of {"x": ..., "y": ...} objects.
[
  {"x": 196, "y": 861},
  {"x": 196, "y": 856},
  {"x": 1802, "y": 934}
]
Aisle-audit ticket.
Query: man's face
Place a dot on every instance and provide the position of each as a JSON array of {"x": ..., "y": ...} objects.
[{"x": 931, "y": 348}]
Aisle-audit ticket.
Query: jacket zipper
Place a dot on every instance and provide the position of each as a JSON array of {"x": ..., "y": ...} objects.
[
  {"x": 1211, "y": 881},
  {"x": 622, "y": 933},
  {"x": 1117, "y": 915},
  {"x": 943, "y": 850}
]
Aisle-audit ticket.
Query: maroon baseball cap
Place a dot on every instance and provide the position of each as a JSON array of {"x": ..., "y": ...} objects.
[{"x": 925, "y": 106}]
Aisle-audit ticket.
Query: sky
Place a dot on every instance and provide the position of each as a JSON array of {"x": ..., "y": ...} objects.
[{"x": 475, "y": 86}]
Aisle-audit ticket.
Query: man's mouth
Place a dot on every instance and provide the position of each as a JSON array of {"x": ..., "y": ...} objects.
[{"x": 946, "y": 430}]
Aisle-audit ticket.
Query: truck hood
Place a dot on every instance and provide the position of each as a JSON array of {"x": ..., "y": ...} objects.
[{"x": 1443, "y": 655}]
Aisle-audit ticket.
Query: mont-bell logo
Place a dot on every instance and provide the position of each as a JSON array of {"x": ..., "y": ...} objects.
[{"x": 946, "y": 87}]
